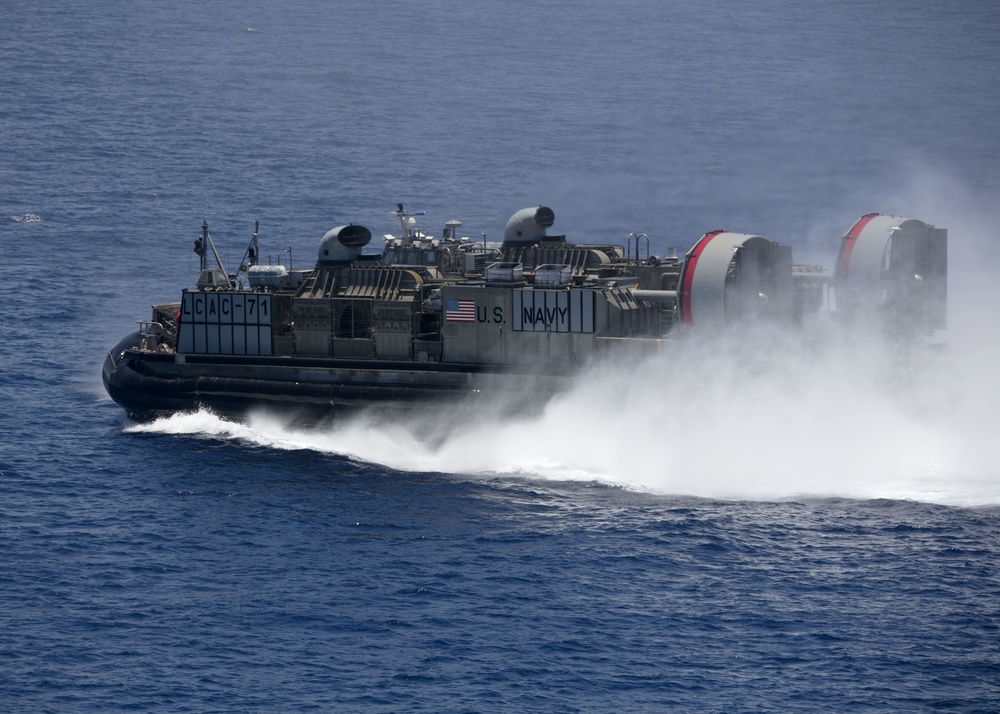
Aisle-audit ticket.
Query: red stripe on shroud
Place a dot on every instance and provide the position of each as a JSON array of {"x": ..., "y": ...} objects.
[
  {"x": 689, "y": 267},
  {"x": 844, "y": 259}
]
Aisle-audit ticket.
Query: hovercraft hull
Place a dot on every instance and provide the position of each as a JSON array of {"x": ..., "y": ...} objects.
[
  {"x": 151, "y": 384},
  {"x": 435, "y": 320}
]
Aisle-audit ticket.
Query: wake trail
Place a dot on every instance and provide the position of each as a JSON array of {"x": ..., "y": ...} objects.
[{"x": 771, "y": 417}]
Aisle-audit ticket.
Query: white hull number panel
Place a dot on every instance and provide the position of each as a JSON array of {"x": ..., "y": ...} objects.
[{"x": 225, "y": 324}]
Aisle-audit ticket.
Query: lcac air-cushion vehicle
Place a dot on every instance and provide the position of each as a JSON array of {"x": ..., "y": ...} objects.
[{"x": 432, "y": 319}]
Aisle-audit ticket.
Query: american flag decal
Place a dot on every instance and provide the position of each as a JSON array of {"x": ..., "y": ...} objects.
[{"x": 459, "y": 310}]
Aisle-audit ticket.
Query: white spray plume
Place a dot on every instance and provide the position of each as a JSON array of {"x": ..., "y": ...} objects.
[{"x": 782, "y": 418}]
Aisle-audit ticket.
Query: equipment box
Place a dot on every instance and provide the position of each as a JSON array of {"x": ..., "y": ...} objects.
[
  {"x": 504, "y": 272},
  {"x": 549, "y": 275}
]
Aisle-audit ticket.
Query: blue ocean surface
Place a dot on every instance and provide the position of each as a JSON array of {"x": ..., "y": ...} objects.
[{"x": 689, "y": 534}]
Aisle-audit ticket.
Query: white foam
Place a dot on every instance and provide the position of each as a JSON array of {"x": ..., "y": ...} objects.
[
  {"x": 783, "y": 420},
  {"x": 785, "y": 429}
]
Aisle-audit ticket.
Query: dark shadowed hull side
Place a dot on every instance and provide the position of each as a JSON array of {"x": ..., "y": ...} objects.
[{"x": 150, "y": 384}]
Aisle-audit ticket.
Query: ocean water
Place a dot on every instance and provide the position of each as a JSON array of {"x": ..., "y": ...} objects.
[{"x": 818, "y": 532}]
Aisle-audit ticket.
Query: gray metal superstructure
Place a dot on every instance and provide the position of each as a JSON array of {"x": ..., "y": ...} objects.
[{"x": 443, "y": 318}]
